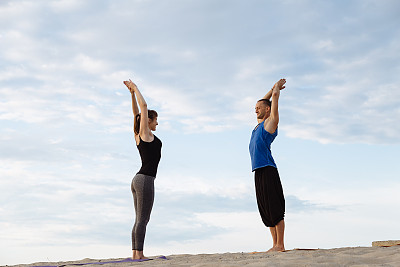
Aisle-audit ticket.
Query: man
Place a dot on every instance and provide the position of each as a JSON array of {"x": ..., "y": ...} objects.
[{"x": 269, "y": 192}]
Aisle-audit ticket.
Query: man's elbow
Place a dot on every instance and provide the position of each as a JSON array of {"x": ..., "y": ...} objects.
[{"x": 275, "y": 117}]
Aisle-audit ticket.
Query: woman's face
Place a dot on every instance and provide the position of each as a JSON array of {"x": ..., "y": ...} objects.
[{"x": 153, "y": 124}]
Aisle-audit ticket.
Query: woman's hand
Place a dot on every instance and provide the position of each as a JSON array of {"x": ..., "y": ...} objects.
[{"x": 131, "y": 86}]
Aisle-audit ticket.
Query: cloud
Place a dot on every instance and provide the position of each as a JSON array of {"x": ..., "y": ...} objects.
[
  {"x": 348, "y": 113},
  {"x": 79, "y": 208},
  {"x": 61, "y": 205},
  {"x": 184, "y": 72}
]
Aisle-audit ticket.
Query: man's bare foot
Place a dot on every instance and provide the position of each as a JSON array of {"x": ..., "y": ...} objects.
[{"x": 277, "y": 249}]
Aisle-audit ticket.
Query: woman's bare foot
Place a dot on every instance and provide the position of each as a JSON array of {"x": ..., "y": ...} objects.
[{"x": 138, "y": 255}]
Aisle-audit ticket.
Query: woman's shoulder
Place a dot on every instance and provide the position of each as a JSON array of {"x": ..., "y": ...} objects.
[{"x": 157, "y": 139}]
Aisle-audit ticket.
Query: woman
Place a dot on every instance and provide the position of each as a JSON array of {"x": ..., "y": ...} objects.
[{"x": 142, "y": 186}]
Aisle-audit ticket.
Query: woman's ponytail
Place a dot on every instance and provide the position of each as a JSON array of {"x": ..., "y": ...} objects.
[{"x": 136, "y": 125}]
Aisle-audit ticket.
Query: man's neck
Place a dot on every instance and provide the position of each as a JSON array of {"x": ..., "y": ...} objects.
[{"x": 261, "y": 120}]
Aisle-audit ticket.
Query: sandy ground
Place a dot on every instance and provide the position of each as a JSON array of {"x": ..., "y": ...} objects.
[{"x": 352, "y": 256}]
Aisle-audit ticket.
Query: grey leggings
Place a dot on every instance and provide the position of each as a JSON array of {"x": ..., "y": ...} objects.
[{"x": 143, "y": 197}]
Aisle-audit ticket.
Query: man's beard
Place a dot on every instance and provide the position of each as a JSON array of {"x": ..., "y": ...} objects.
[{"x": 261, "y": 116}]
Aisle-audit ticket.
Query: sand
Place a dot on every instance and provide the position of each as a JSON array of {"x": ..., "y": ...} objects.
[{"x": 351, "y": 256}]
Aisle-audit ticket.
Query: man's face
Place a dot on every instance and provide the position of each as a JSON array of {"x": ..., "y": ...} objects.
[{"x": 261, "y": 110}]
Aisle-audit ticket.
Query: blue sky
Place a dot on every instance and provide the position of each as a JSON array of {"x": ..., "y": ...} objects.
[{"x": 66, "y": 144}]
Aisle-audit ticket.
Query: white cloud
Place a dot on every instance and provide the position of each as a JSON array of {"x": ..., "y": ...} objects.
[
  {"x": 89, "y": 65},
  {"x": 62, "y": 6},
  {"x": 325, "y": 45},
  {"x": 347, "y": 113},
  {"x": 185, "y": 103},
  {"x": 251, "y": 68},
  {"x": 188, "y": 185}
]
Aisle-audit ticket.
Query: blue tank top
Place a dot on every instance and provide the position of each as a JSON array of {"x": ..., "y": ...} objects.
[{"x": 260, "y": 147}]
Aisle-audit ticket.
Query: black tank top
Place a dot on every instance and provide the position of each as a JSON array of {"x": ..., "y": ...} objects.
[{"x": 150, "y": 153}]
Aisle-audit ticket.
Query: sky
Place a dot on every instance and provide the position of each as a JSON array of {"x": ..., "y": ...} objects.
[{"x": 67, "y": 150}]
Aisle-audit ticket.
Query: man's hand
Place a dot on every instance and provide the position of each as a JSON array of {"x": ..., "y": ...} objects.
[{"x": 279, "y": 84}]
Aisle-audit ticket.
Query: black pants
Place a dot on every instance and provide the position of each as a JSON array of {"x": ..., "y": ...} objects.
[{"x": 269, "y": 193}]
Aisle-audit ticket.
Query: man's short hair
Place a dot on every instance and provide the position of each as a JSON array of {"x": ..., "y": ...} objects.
[{"x": 265, "y": 101}]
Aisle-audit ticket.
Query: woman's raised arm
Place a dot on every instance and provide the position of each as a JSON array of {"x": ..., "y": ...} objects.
[
  {"x": 144, "y": 117},
  {"x": 135, "y": 107}
]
